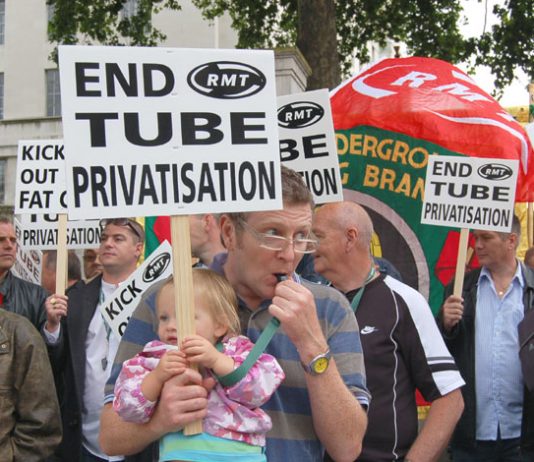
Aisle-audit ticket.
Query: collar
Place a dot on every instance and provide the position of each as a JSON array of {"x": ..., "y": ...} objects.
[
  {"x": 518, "y": 275},
  {"x": 6, "y": 282}
]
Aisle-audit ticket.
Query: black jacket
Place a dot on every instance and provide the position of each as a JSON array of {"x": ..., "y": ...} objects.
[
  {"x": 461, "y": 344},
  {"x": 24, "y": 298},
  {"x": 68, "y": 358}
]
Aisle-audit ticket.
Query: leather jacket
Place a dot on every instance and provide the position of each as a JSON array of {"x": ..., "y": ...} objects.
[
  {"x": 24, "y": 298},
  {"x": 461, "y": 344},
  {"x": 30, "y": 424}
]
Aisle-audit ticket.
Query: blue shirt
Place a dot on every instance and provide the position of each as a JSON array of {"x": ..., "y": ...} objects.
[{"x": 499, "y": 380}]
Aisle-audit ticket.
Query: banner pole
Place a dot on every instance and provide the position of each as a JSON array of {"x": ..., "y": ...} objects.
[
  {"x": 62, "y": 252},
  {"x": 460, "y": 262},
  {"x": 184, "y": 300}
]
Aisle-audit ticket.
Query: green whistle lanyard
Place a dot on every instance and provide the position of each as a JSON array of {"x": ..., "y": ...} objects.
[
  {"x": 261, "y": 344},
  {"x": 356, "y": 300}
]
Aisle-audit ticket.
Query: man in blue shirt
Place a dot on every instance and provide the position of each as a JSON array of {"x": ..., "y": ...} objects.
[{"x": 481, "y": 330}]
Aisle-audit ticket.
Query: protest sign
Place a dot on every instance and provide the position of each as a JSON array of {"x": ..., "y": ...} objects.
[
  {"x": 43, "y": 235},
  {"x": 476, "y": 193},
  {"x": 28, "y": 263},
  {"x": 308, "y": 142},
  {"x": 161, "y": 131},
  {"x": 40, "y": 183},
  {"x": 118, "y": 308}
]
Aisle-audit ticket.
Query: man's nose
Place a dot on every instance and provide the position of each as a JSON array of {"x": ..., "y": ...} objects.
[{"x": 288, "y": 252}]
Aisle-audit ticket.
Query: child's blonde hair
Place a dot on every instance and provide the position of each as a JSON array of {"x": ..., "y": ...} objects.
[{"x": 219, "y": 297}]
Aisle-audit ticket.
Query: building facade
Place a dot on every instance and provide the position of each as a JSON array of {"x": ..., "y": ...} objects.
[{"x": 30, "y": 103}]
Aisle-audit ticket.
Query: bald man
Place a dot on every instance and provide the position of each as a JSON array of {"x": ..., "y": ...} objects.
[
  {"x": 205, "y": 238},
  {"x": 402, "y": 346}
]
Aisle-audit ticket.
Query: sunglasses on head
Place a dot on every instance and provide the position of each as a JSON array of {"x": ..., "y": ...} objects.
[{"x": 120, "y": 222}]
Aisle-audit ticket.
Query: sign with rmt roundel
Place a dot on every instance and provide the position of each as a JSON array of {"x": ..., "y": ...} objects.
[
  {"x": 299, "y": 114},
  {"x": 226, "y": 80},
  {"x": 308, "y": 144},
  {"x": 169, "y": 131},
  {"x": 495, "y": 171},
  {"x": 470, "y": 192}
]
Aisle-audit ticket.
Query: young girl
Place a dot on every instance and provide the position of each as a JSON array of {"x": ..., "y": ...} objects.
[{"x": 235, "y": 426}]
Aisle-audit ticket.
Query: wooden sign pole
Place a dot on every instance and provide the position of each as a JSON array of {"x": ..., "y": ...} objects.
[
  {"x": 460, "y": 262},
  {"x": 62, "y": 253},
  {"x": 184, "y": 300},
  {"x": 530, "y": 225}
]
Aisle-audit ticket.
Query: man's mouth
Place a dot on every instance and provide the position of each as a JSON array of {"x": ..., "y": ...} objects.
[{"x": 280, "y": 276}]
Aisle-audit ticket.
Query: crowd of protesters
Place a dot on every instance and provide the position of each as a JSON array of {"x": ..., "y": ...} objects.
[{"x": 351, "y": 347}]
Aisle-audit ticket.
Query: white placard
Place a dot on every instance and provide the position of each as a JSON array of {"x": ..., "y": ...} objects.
[
  {"x": 28, "y": 265},
  {"x": 308, "y": 142},
  {"x": 40, "y": 183},
  {"x": 42, "y": 234},
  {"x": 119, "y": 307},
  {"x": 470, "y": 192},
  {"x": 169, "y": 131}
]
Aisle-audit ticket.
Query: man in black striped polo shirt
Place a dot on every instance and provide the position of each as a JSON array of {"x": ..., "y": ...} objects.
[{"x": 403, "y": 349}]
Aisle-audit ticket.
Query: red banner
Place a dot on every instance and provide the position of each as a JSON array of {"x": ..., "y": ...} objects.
[{"x": 432, "y": 100}]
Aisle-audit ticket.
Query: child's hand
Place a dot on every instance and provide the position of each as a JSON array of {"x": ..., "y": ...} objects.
[
  {"x": 172, "y": 363},
  {"x": 200, "y": 351}
]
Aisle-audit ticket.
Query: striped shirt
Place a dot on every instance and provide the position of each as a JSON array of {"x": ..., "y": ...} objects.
[
  {"x": 499, "y": 380},
  {"x": 403, "y": 350},
  {"x": 292, "y": 437}
]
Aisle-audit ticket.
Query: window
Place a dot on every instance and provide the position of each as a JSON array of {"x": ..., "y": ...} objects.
[
  {"x": 53, "y": 97},
  {"x": 1, "y": 95},
  {"x": 129, "y": 9},
  {"x": 50, "y": 10},
  {"x": 3, "y": 164},
  {"x": 2, "y": 20}
]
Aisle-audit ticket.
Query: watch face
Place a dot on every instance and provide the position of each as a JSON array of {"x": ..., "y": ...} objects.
[{"x": 320, "y": 365}]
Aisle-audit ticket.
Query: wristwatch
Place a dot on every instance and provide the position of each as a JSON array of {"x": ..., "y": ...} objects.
[{"x": 318, "y": 365}]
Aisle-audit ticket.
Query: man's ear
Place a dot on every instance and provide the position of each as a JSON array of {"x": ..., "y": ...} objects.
[
  {"x": 206, "y": 221},
  {"x": 227, "y": 232},
  {"x": 138, "y": 249},
  {"x": 351, "y": 234}
]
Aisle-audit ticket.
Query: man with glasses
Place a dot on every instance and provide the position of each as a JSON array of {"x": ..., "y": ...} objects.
[
  {"x": 81, "y": 344},
  {"x": 401, "y": 342},
  {"x": 321, "y": 404}
]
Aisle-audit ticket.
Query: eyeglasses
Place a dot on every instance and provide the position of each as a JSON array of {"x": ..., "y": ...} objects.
[
  {"x": 119, "y": 222},
  {"x": 279, "y": 243}
]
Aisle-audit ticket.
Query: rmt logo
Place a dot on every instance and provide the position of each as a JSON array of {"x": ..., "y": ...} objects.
[
  {"x": 226, "y": 80},
  {"x": 495, "y": 172},
  {"x": 156, "y": 267},
  {"x": 299, "y": 114}
]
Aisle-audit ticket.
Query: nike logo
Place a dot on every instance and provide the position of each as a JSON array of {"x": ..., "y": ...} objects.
[{"x": 368, "y": 330}]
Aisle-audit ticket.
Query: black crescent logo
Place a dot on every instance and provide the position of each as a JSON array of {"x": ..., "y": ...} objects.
[
  {"x": 156, "y": 267},
  {"x": 299, "y": 114},
  {"x": 495, "y": 171},
  {"x": 226, "y": 80}
]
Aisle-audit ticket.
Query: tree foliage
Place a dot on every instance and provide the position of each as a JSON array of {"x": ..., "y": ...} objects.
[
  {"x": 510, "y": 44},
  {"x": 427, "y": 27}
]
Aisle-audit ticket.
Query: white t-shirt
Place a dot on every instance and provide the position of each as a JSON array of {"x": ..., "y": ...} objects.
[{"x": 100, "y": 347}]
